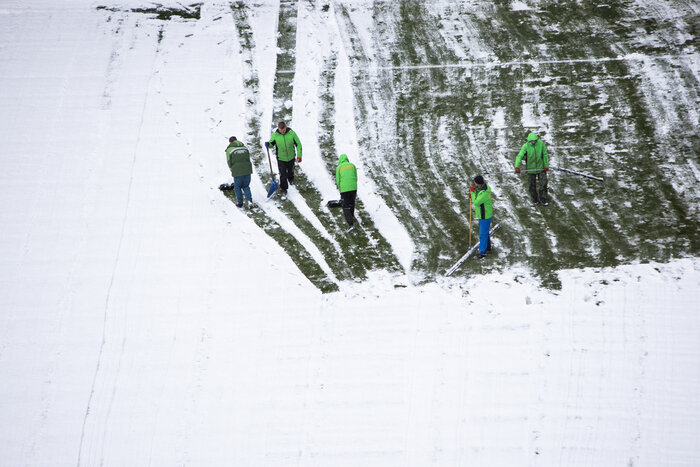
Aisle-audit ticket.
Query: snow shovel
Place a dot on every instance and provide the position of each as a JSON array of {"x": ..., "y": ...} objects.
[{"x": 273, "y": 187}]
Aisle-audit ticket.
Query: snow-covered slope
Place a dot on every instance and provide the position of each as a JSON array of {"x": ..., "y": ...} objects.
[{"x": 144, "y": 320}]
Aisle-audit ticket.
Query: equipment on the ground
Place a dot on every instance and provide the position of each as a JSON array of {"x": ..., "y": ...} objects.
[
  {"x": 335, "y": 203},
  {"x": 274, "y": 185},
  {"x": 509, "y": 172},
  {"x": 226, "y": 187},
  {"x": 578, "y": 173},
  {"x": 573, "y": 172},
  {"x": 469, "y": 253}
]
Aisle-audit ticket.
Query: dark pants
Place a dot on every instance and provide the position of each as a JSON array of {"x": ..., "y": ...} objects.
[
  {"x": 538, "y": 186},
  {"x": 348, "y": 198},
  {"x": 286, "y": 169}
]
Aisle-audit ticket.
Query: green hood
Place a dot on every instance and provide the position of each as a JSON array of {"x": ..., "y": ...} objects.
[
  {"x": 345, "y": 175},
  {"x": 535, "y": 155}
]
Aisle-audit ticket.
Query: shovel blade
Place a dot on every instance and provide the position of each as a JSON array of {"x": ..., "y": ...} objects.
[{"x": 272, "y": 189}]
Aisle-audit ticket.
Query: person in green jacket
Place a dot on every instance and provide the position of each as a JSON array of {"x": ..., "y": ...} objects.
[
  {"x": 288, "y": 147},
  {"x": 534, "y": 153},
  {"x": 238, "y": 160},
  {"x": 346, "y": 181},
  {"x": 480, "y": 193}
]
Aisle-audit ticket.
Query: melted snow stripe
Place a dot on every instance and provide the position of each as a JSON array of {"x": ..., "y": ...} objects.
[{"x": 572, "y": 61}]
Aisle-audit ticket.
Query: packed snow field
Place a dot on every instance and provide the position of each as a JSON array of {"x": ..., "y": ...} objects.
[{"x": 148, "y": 321}]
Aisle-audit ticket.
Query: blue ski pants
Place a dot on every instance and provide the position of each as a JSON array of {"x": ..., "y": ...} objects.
[
  {"x": 484, "y": 237},
  {"x": 241, "y": 185}
]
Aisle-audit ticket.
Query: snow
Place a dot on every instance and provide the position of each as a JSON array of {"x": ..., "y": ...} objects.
[
  {"x": 147, "y": 321},
  {"x": 517, "y": 5}
]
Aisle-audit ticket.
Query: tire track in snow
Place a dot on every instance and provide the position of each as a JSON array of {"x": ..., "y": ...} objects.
[
  {"x": 632, "y": 57},
  {"x": 108, "y": 302}
]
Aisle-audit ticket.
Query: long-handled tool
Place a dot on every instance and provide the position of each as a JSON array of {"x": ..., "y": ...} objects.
[
  {"x": 598, "y": 179},
  {"x": 469, "y": 253},
  {"x": 470, "y": 221},
  {"x": 578, "y": 173},
  {"x": 273, "y": 187},
  {"x": 512, "y": 171}
]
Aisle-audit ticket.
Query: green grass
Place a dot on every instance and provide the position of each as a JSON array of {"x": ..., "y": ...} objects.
[
  {"x": 160, "y": 12},
  {"x": 441, "y": 134}
]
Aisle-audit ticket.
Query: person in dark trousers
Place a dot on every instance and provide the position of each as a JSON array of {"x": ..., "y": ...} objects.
[
  {"x": 480, "y": 193},
  {"x": 346, "y": 180},
  {"x": 288, "y": 148},
  {"x": 238, "y": 160},
  {"x": 534, "y": 153}
]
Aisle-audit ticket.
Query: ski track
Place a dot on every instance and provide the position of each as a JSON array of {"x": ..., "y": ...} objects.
[
  {"x": 634, "y": 57},
  {"x": 119, "y": 332}
]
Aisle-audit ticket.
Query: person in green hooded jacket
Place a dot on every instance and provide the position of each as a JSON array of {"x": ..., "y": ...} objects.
[
  {"x": 480, "y": 194},
  {"x": 288, "y": 148},
  {"x": 238, "y": 160},
  {"x": 346, "y": 181},
  {"x": 534, "y": 153}
]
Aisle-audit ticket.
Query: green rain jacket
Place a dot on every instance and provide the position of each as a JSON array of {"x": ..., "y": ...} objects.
[
  {"x": 238, "y": 159},
  {"x": 481, "y": 199},
  {"x": 286, "y": 145},
  {"x": 535, "y": 156},
  {"x": 345, "y": 175}
]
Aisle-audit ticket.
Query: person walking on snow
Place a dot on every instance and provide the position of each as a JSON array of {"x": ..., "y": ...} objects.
[
  {"x": 238, "y": 159},
  {"x": 346, "y": 180},
  {"x": 288, "y": 147},
  {"x": 481, "y": 199},
  {"x": 534, "y": 153}
]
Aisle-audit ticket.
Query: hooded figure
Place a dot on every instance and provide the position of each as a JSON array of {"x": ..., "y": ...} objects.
[
  {"x": 534, "y": 153},
  {"x": 346, "y": 180}
]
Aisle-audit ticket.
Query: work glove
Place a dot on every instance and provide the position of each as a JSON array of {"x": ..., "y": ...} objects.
[
  {"x": 472, "y": 188},
  {"x": 546, "y": 169},
  {"x": 299, "y": 160},
  {"x": 517, "y": 170}
]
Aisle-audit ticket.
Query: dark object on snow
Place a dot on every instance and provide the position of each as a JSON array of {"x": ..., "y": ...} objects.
[
  {"x": 226, "y": 187},
  {"x": 334, "y": 203}
]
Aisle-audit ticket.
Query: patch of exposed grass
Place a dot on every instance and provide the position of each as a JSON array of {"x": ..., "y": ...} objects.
[{"x": 161, "y": 12}]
